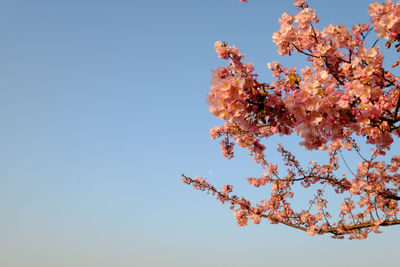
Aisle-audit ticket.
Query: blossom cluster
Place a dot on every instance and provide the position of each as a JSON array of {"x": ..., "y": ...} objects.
[
  {"x": 344, "y": 93},
  {"x": 386, "y": 19}
]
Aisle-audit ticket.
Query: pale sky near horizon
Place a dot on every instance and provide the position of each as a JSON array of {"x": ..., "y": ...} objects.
[{"x": 102, "y": 107}]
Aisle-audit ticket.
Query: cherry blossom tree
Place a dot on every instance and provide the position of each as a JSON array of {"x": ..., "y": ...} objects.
[{"x": 342, "y": 100}]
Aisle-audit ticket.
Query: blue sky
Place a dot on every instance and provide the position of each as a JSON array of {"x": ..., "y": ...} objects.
[{"x": 102, "y": 107}]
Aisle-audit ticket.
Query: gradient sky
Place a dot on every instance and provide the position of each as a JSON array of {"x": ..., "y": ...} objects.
[{"x": 102, "y": 107}]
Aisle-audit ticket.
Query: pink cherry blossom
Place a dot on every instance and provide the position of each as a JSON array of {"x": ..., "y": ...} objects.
[{"x": 345, "y": 95}]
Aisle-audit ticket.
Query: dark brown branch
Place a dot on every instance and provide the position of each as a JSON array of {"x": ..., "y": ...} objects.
[
  {"x": 305, "y": 53},
  {"x": 338, "y": 230},
  {"x": 375, "y": 43},
  {"x": 347, "y": 166},
  {"x": 360, "y": 226},
  {"x": 332, "y": 72},
  {"x": 365, "y": 36},
  {"x": 389, "y": 196}
]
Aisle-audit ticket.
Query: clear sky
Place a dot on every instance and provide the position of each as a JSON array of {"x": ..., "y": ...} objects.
[{"x": 102, "y": 107}]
